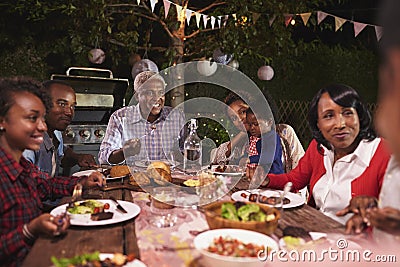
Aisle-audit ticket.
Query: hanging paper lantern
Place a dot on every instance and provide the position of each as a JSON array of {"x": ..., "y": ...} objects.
[
  {"x": 143, "y": 65},
  {"x": 206, "y": 67},
  {"x": 234, "y": 64},
  {"x": 96, "y": 56},
  {"x": 133, "y": 58},
  {"x": 221, "y": 57},
  {"x": 265, "y": 73}
]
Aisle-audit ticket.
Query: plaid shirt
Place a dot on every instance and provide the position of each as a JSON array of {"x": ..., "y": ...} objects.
[
  {"x": 252, "y": 150},
  {"x": 22, "y": 188},
  {"x": 127, "y": 123}
]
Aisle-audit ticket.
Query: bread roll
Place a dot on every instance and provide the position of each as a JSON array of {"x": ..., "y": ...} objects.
[
  {"x": 118, "y": 171},
  {"x": 159, "y": 165},
  {"x": 160, "y": 172},
  {"x": 139, "y": 179}
]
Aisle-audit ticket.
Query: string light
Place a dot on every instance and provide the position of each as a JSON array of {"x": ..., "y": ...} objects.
[{"x": 293, "y": 22}]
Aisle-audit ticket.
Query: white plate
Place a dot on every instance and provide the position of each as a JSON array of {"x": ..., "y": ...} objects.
[
  {"x": 134, "y": 263},
  {"x": 332, "y": 239},
  {"x": 231, "y": 170},
  {"x": 295, "y": 199},
  {"x": 84, "y": 173},
  {"x": 145, "y": 163},
  {"x": 115, "y": 178},
  {"x": 132, "y": 209}
]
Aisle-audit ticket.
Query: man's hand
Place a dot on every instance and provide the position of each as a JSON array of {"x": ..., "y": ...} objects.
[
  {"x": 132, "y": 147},
  {"x": 359, "y": 205},
  {"x": 86, "y": 160}
]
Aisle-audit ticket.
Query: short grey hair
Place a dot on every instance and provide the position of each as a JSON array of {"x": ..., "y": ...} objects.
[{"x": 143, "y": 77}]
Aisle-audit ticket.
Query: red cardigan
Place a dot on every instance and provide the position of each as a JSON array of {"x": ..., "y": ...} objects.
[{"x": 311, "y": 168}]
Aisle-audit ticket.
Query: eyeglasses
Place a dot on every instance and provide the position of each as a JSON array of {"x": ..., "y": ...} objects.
[
  {"x": 64, "y": 105},
  {"x": 151, "y": 93}
]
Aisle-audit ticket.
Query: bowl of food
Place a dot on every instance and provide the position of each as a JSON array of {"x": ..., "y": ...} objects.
[
  {"x": 242, "y": 215},
  {"x": 233, "y": 247}
]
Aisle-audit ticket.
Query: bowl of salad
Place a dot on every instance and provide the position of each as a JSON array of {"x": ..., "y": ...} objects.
[
  {"x": 242, "y": 215},
  {"x": 234, "y": 247}
]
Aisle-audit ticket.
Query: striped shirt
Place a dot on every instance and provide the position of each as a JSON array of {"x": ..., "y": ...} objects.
[{"x": 157, "y": 138}]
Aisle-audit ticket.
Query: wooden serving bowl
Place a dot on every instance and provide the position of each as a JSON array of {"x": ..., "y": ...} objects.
[{"x": 215, "y": 221}]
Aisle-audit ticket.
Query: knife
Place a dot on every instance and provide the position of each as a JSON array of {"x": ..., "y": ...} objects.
[{"x": 119, "y": 207}]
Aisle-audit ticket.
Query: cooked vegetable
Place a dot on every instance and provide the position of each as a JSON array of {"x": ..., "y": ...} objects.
[
  {"x": 93, "y": 259},
  {"x": 228, "y": 211},
  {"x": 245, "y": 211},
  {"x": 77, "y": 260}
]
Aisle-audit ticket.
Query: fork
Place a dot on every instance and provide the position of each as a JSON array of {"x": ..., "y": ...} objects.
[{"x": 76, "y": 195}]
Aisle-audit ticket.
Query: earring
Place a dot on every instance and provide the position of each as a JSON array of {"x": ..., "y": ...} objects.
[{"x": 2, "y": 129}]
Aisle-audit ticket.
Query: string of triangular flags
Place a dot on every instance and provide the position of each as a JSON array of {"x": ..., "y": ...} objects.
[
  {"x": 187, "y": 14},
  {"x": 358, "y": 26}
]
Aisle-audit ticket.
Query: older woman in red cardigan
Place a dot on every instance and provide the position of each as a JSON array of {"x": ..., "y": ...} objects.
[{"x": 345, "y": 158}]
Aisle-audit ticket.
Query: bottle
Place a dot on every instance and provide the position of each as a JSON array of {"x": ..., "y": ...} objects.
[{"x": 192, "y": 149}]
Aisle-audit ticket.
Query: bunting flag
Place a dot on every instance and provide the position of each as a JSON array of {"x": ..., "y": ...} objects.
[
  {"x": 305, "y": 17},
  {"x": 212, "y": 22},
  {"x": 188, "y": 15},
  {"x": 205, "y": 17},
  {"x": 288, "y": 18},
  {"x": 321, "y": 16},
  {"x": 378, "y": 32},
  {"x": 339, "y": 22},
  {"x": 256, "y": 16},
  {"x": 225, "y": 20},
  {"x": 358, "y": 27},
  {"x": 153, "y": 4},
  {"x": 271, "y": 20},
  {"x": 198, "y": 16},
  {"x": 167, "y": 4},
  {"x": 178, "y": 12}
]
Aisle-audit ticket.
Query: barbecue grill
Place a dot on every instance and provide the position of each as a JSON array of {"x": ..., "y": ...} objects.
[{"x": 98, "y": 95}]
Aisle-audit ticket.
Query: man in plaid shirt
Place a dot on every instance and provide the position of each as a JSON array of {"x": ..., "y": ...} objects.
[{"x": 148, "y": 130}]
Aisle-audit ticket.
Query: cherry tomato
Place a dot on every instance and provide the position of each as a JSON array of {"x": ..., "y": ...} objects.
[
  {"x": 96, "y": 210},
  {"x": 106, "y": 206}
]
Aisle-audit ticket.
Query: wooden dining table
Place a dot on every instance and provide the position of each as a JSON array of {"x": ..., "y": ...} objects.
[{"x": 122, "y": 237}]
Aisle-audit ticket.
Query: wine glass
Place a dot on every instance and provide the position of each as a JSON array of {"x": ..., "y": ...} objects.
[{"x": 162, "y": 207}]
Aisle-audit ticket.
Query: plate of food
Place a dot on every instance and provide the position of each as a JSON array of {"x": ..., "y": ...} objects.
[
  {"x": 268, "y": 197},
  {"x": 98, "y": 259},
  {"x": 118, "y": 172},
  {"x": 228, "y": 170},
  {"x": 97, "y": 212},
  {"x": 146, "y": 163}
]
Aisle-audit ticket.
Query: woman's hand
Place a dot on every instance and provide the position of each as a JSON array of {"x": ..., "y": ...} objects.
[
  {"x": 359, "y": 205},
  {"x": 48, "y": 226},
  {"x": 355, "y": 225},
  {"x": 94, "y": 179},
  {"x": 386, "y": 219}
]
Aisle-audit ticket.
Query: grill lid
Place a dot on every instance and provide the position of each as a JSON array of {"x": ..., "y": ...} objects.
[{"x": 95, "y": 87}]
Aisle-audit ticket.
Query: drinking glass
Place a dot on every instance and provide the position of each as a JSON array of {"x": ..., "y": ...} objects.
[{"x": 162, "y": 207}]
